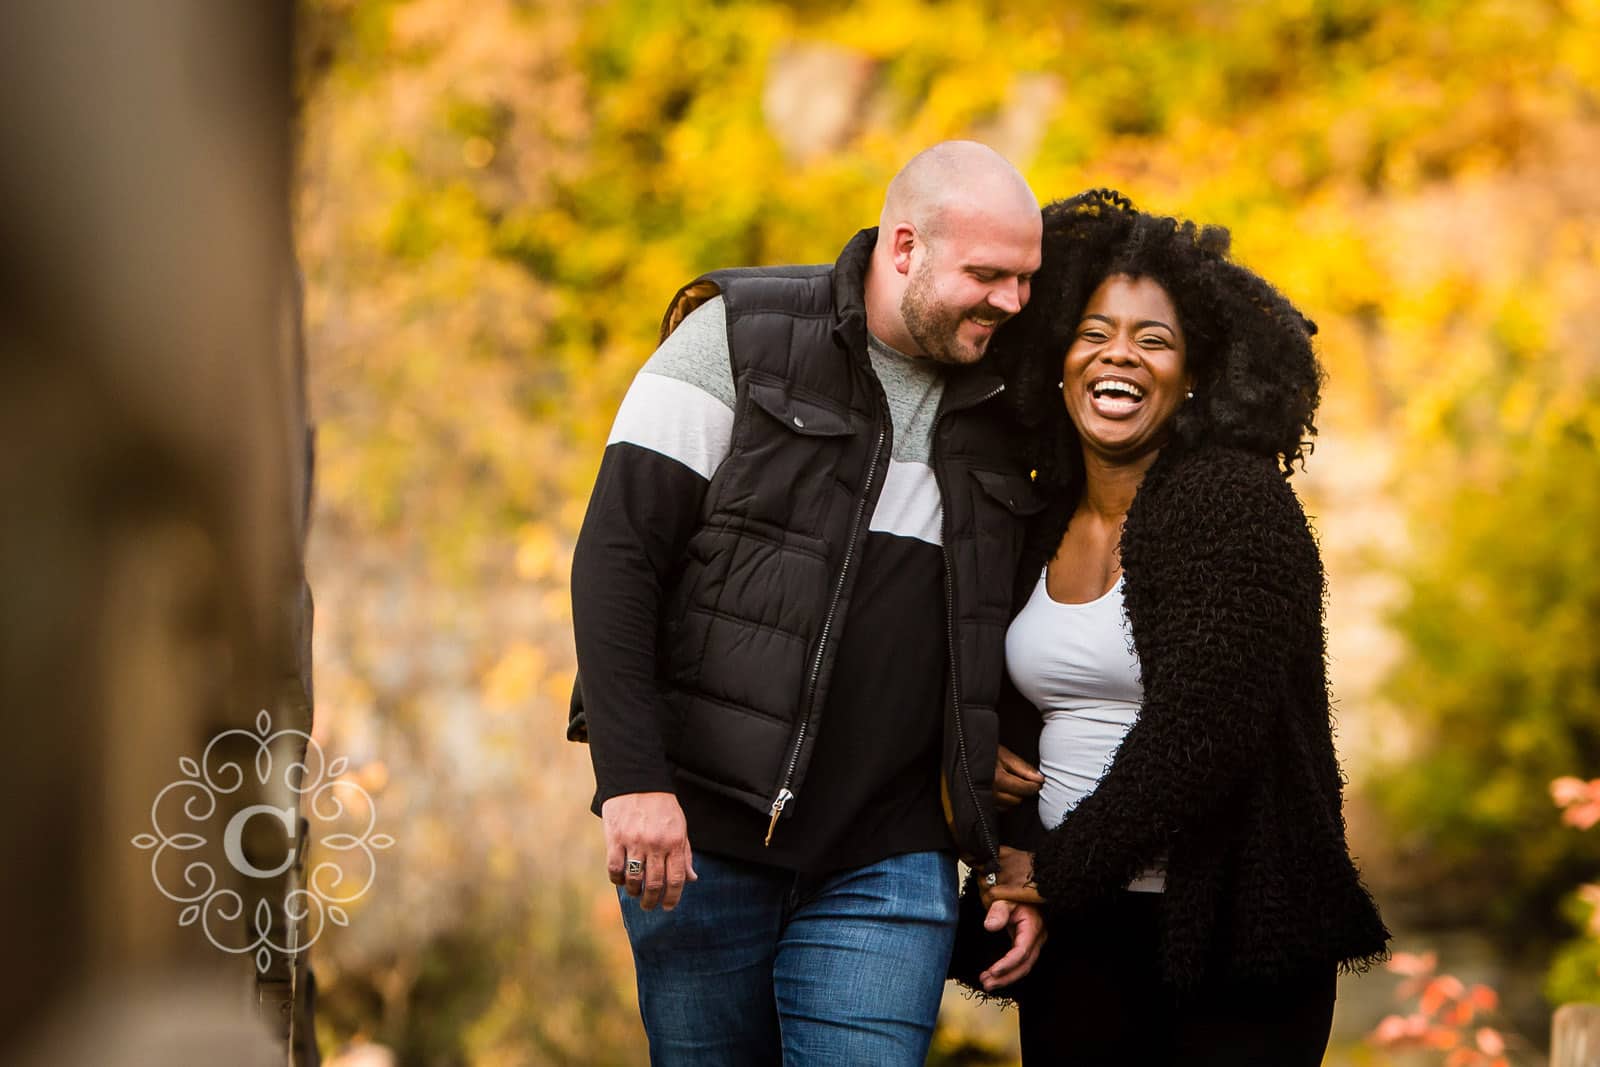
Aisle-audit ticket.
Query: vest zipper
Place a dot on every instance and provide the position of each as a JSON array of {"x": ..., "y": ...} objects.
[
  {"x": 783, "y": 795},
  {"x": 950, "y": 638}
]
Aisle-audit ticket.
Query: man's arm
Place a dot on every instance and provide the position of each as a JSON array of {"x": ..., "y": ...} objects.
[
  {"x": 671, "y": 433},
  {"x": 1015, "y": 779}
]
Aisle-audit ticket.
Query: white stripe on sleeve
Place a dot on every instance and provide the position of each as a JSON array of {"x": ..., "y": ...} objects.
[{"x": 676, "y": 419}]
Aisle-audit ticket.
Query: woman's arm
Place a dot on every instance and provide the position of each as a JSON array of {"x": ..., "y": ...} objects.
[{"x": 1223, "y": 589}]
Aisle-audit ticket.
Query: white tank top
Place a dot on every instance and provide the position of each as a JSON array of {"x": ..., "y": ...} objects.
[{"x": 1076, "y": 664}]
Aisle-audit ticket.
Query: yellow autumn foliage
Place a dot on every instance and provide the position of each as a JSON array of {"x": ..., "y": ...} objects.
[{"x": 496, "y": 200}]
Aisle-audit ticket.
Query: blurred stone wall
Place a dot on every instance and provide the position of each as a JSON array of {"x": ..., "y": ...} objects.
[{"x": 156, "y": 471}]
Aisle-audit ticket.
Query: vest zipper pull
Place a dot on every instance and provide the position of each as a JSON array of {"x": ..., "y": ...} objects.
[{"x": 783, "y": 797}]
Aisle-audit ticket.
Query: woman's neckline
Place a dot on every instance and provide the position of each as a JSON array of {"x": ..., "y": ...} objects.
[{"x": 1044, "y": 580}]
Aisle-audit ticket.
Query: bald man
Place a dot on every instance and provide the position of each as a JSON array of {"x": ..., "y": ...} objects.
[{"x": 789, "y": 597}]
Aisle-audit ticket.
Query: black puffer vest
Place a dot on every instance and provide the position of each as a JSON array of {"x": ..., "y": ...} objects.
[{"x": 751, "y": 625}]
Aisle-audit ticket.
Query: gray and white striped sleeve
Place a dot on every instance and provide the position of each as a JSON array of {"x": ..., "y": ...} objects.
[{"x": 681, "y": 403}]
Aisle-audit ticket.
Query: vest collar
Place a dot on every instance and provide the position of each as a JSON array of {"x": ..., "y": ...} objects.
[
  {"x": 968, "y": 386},
  {"x": 849, "y": 292}
]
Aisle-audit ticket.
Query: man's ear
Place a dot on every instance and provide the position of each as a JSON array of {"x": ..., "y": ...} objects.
[{"x": 904, "y": 241}]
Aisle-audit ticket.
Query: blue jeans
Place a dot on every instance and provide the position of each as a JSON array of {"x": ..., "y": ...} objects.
[{"x": 762, "y": 966}]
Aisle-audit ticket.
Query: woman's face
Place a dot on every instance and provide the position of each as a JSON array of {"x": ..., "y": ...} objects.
[{"x": 1125, "y": 375}]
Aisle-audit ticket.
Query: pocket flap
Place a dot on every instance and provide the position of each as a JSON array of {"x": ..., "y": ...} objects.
[
  {"x": 802, "y": 416},
  {"x": 1012, "y": 490}
]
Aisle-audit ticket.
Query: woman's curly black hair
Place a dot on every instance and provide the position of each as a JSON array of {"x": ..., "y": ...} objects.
[{"x": 1256, "y": 379}]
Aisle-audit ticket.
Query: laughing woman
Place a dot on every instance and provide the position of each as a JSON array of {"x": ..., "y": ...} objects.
[{"x": 1189, "y": 839}]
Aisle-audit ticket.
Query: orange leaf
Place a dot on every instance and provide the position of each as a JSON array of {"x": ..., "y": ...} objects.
[
  {"x": 1440, "y": 1037},
  {"x": 1568, "y": 790},
  {"x": 1438, "y": 993},
  {"x": 1582, "y": 815},
  {"x": 1490, "y": 1041},
  {"x": 1484, "y": 998},
  {"x": 1390, "y": 1030},
  {"x": 1413, "y": 965}
]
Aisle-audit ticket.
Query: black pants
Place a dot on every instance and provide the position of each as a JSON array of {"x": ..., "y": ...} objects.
[{"x": 1096, "y": 998}]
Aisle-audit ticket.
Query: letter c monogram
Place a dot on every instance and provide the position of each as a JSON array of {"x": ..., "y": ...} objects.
[{"x": 231, "y": 840}]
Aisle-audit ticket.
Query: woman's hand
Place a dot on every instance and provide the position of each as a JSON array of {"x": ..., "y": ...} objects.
[
  {"x": 1015, "y": 779},
  {"x": 1028, "y": 933},
  {"x": 1015, "y": 880}
]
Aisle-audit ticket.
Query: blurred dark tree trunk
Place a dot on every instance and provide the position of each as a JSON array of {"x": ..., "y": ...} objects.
[{"x": 156, "y": 474}]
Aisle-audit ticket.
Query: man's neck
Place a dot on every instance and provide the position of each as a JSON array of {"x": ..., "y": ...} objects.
[{"x": 884, "y": 348}]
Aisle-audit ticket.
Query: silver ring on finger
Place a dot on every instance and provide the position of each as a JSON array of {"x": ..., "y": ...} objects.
[{"x": 635, "y": 868}]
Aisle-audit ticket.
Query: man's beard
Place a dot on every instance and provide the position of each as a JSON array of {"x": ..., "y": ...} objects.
[{"x": 935, "y": 326}]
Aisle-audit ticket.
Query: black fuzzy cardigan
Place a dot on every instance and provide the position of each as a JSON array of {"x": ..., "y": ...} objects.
[{"x": 1229, "y": 770}]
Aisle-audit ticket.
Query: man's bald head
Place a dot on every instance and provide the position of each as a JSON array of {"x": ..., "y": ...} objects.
[
  {"x": 958, "y": 242},
  {"x": 959, "y": 176}
]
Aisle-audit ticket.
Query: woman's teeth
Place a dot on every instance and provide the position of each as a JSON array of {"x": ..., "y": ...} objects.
[{"x": 1111, "y": 387}]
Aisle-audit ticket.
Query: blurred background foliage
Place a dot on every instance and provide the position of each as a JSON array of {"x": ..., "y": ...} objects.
[{"x": 496, "y": 200}]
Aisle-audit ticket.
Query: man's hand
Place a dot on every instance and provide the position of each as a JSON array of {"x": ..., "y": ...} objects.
[
  {"x": 1028, "y": 934},
  {"x": 648, "y": 828},
  {"x": 1015, "y": 779},
  {"x": 1015, "y": 880}
]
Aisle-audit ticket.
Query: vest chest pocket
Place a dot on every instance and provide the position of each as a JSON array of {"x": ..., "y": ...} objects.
[
  {"x": 1001, "y": 504},
  {"x": 792, "y": 464},
  {"x": 1013, "y": 492},
  {"x": 801, "y": 416}
]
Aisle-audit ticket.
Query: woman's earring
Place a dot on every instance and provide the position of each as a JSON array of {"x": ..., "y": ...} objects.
[
  {"x": 1189, "y": 395},
  {"x": 1063, "y": 384}
]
